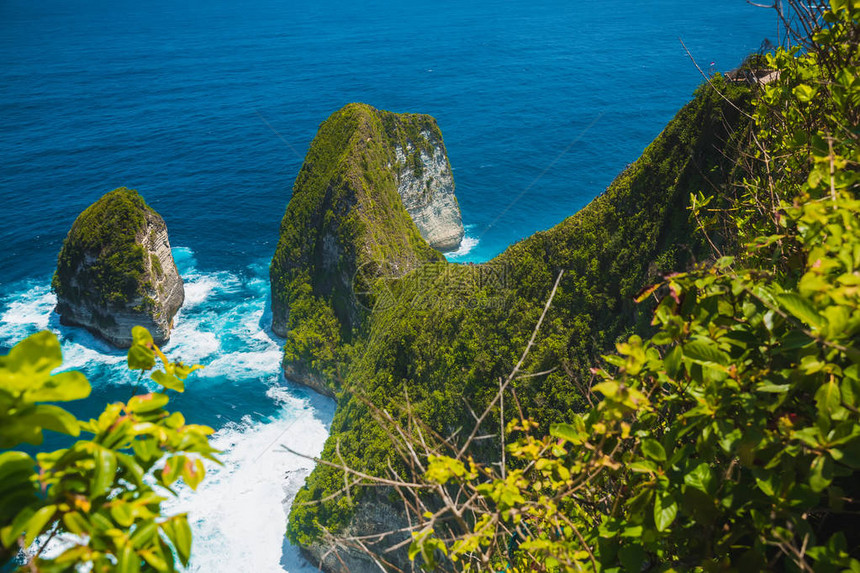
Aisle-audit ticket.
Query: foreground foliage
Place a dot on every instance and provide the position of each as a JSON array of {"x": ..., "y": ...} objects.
[
  {"x": 730, "y": 439},
  {"x": 100, "y": 498}
]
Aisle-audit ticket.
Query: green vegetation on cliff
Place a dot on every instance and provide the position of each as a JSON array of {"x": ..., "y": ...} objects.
[
  {"x": 345, "y": 215},
  {"x": 729, "y": 440},
  {"x": 100, "y": 258},
  {"x": 713, "y": 426},
  {"x": 448, "y": 332}
]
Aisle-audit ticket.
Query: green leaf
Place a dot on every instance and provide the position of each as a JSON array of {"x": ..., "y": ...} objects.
[
  {"x": 193, "y": 473},
  {"x": 76, "y": 523},
  {"x": 805, "y": 93},
  {"x": 772, "y": 388},
  {"x": 147, "y": 402},
  {"x": 828, "y": 399},
  {"x": 14, "y": 463},
  {"x": 631, "y": 555},
  {"x": 705, "y": 352},
  {"x": 134, "y": 471},
  {"x": 172, "y": 469},
  {"x": 141, "y": 336},
  {"x": 821, "y": 473},
  {"x": 10, "y": 533},
  {"x": 104, "y": 472},
  {"x": 765, "y": 483},
  {"x": 566, "y": 432},
  {"x": 651, "y": 448},
  {"x": 672, "y": 362},
  {"x": 18, "y": 429},
  {"x": 645, "y": 467},
  {"x": 646, "y": 292},
  {"x": 800, "y": 308},
  {"x": 144, "y": 533},
  {"x": 665, "y": 510},
  {"x": 155, "y": 558},
  {"x": 122, "y": 512},
  {"x": 39, "y": 353},
  {"x": 793, "y": 340},
  {"x": 700, "y": 478},
  {"x": 55, "y": 419},
  {"x": 179, "y": 534},
  {"x": 810, "y": 436},
  {"x": 37, "y": 523},
  {"x": 140, "y": 357},
  {"x": 168, "y": 381},
  {"x": 62, "y": 387},
  {"x": 127, "y": 560},
  {"x": 182, "y": 371}
]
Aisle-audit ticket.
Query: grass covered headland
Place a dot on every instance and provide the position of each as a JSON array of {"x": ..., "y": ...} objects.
[{"x": 345, "y": 215}]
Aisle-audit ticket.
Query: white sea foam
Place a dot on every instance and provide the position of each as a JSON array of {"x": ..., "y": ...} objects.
[
  {"x": 239, "y": 512},
  {"x": 466, "y": 245},
  {"x": 27, "y": 311},
  {"x": 198, "y": 288},
  {"x": 79, "y": 356},
  {"x": 190, "y": 343},
  {"x": 32, "y": 309}
]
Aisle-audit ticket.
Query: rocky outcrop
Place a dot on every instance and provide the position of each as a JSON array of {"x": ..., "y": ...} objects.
[
  {"x": 426, "y": 187},
  {"x": 115, "y": 270},
  {"x": 374, "y": 515},
  {"x": 297, "y": 371},
  {"x": 374, "y": 198}
]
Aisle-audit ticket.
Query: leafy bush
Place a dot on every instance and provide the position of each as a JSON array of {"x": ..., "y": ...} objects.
[{"x": 98, "y": 494}]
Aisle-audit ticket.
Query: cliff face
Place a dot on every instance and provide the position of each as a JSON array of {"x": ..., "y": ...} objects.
[
  {"x": 115, "y": 270},
  {"x": 451, "y": 334},
  {"x": 426, "y": 187},
  {"x": 375, "y": 188}
]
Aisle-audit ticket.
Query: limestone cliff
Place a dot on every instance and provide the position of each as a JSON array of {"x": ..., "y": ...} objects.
[
  {"x": 115, "y": 270},
  {"x": 375, "y": 188},
  {"x": 426, "y": 187}
]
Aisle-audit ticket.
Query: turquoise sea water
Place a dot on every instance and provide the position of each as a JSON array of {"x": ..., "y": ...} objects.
[{"x": 207, "y": 108}]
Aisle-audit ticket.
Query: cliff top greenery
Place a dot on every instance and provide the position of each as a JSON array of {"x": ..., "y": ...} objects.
[
  {"x": 445, "y": 333},
  {"x": 708, "y": 422},
  {"x": 100, "y": 259}
]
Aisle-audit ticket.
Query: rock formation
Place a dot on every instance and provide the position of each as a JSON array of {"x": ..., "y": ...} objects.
[
  {"x": 115, "y": 270},
  {"x": 451, "y": 332},
  {"x": 374, "y": 198}
]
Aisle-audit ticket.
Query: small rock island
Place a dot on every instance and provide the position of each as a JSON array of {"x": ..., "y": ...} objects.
[{"x": 115, "y": 270}]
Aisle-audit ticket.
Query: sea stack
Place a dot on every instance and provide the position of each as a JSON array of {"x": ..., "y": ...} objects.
[
  {"x": 373, "y": 200},
  {"x": 115, "y": 270}
]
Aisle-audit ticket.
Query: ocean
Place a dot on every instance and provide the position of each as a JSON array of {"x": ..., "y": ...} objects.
[{"x": 207, "y": 108}]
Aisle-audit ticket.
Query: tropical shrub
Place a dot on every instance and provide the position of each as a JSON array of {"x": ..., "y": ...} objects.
[{"x": 100, "y": 498}]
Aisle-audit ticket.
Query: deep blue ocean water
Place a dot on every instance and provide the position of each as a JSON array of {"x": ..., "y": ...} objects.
[{"x": 207, "y": 108}]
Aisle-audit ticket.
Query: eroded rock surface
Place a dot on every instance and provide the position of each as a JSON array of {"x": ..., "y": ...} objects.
[
  {"x": 115, "y": 270},
  {"x": 426, "y": 187}
]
